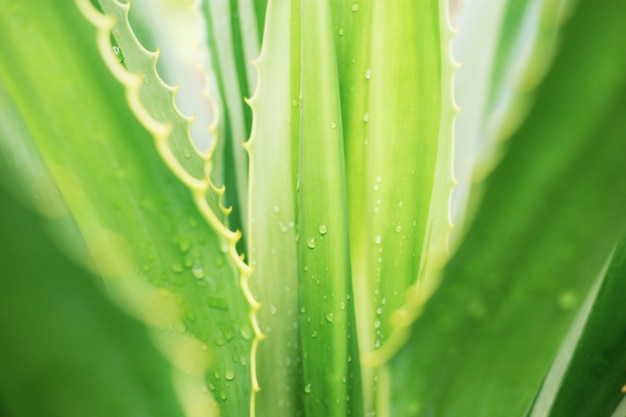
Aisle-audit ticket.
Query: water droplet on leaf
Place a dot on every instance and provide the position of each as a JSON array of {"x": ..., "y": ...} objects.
[
  {"x": 198, "y": 272},
  {"x": 330, "y": 317}
]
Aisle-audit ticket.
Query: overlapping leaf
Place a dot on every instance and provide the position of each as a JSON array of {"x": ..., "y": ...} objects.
[{"x": 551, "y": 214}]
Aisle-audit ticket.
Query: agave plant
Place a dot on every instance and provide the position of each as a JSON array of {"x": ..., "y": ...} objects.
[{"x": 278, "y": 226}]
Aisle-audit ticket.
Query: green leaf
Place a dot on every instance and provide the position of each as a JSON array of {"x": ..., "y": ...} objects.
[
  {"x": 598, "y": 363},
  {"x": 552, "y": 212},
  {"x": 396, "y": 79},
  {"x": 272, "y": 238},
  {"x": 506, "y": 48},
  {"x": 58, "y": 330},
  {"x": 233, "y": 44},
  {"x": 172, "y": 265},
  {"x": 327, "y": 326}
]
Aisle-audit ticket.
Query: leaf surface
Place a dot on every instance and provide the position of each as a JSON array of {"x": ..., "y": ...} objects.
[
  {"x": 168, "y": 262},
  {"x": 551, "y": 214},
  {"x": 597, "y": 366},
  {"x": 327, "y": 323},
  {"x": 272, "y": 239},
  {"x": 58, "y": 330}
]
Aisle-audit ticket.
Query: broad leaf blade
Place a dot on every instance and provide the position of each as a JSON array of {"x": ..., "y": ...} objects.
[
  {"x": 160, "y": 255},
  {"x": 598, "y": 364},
  {"x": 58, "y": 331},
  {"x": 551, "y": 214}
]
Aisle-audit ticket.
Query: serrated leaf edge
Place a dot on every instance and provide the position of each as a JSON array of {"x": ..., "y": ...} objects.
[{"x": 161, "y": 131}]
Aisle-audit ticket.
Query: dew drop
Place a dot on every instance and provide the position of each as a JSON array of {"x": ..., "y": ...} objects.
[
  {"x": 323, "y": 229},
  {"x": 186, "y": 153},
  {"x": 314, "y": 334},
  {"x": 246, "y": 333},
  {"x": 376, "y": 187},
  {"x": 223, "y": 395},
  {"x": 311, "y": 243},
  {"x": 118, "y": 53},
  {"x": 307, "y": 388},
  {"x": 178, "y": 267},
  {"x": 398, "y": 228},
  {"x": 400, "y": 204},
  {"x": 273, "y": 309},
  {"x": 229, "y": 374},
  {"x": 355, "y": 7},
  {"x": 342, "y": 305},
  {"x": 276, "y": 209},
  {"x": 366, "y": 117},
  {"x": 378, "y": 239},
  {"x": 330, "y": 317},
  {"x": 184, "y": 244},
  {"x": 368, "y": 74},
  {"x": 333, "y": 125},
  {"x": 228, "y": 334},
  {"x": 341, "y": 32},
  {"x": 567, "y": 300}
]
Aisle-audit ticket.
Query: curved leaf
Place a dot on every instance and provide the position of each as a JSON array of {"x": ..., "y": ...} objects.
[
  {"x": 58, "y": 330},
  {"x": 159, "y": 253},
  {"x": 551, "y": 214}
]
